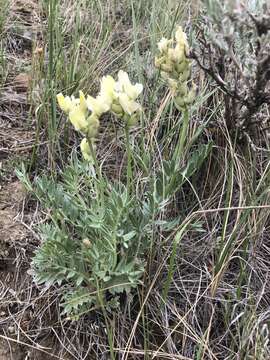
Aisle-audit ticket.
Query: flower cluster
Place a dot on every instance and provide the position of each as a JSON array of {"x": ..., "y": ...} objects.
[
  {"x": 176, "y": 67},
  {"x": 84, "y": 112}
]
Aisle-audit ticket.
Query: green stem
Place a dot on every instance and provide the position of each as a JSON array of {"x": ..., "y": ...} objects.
[
  {"x": 101, "y": 182},
  {"x": 129, "y": 159},
  {"x": 183, "y": 134}
]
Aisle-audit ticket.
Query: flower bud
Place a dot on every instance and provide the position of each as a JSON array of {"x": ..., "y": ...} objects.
[
  {"x": 184, "y": 76},
  {"x": 85, "y": 149},
  {"x": 65, "y": 103},
  {"x": 182, "y": 66},
  {"x": 93, "y": 125},
  {"x": 83, "y": 104},
  {"x": 117, "y": 109},
  {"x": 171, "y": 55},
  {"x": 163, "y": 45},
  {"x": 173, "y": 84},
  {"x": 167, "y": 67},
  {"x": 179, "y": 53},
  {"x": 176, "y": 55},
  {"x": 181, "y": 39},
  {"x": 191, "y": 96},
  {"x": 78, "y": 120},
  {"x": 180, "y": 101},
  {"x": 182, "y": 89},
  {"x": 87, "y": 243}
]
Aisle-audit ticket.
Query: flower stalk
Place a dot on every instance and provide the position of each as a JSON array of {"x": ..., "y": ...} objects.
[
  {"x": 129, "y": 159},
  {"x": 175, "y": 67}
]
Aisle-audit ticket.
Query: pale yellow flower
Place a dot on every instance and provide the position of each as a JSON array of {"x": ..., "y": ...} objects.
[
  {"x": 181, "y": 39},
  {"x": 78, "y": 119},
  {"x": 173, "y": 84},
  {"x": 85, "y": 149},
  {"x": 83, "y": 104},
  {"x": 124, "y": 85},
  {"x": 93, "y": 125},
  {"x": 65, "y": 103},
  {"x": 129, "y": 106},
  {"x": 177, "y": 54},
  {"x": 107, "y": 88},
  {"x": 163, "y": 45},
  {"x": 98, "y": 105}
]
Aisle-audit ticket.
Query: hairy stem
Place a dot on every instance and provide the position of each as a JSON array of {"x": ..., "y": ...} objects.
[{"x": 129, "y": 159}]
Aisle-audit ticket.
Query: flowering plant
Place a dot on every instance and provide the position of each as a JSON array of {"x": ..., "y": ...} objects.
[{"x": 95, "y": 245}]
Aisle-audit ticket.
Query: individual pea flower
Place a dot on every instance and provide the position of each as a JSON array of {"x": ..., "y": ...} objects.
[
  {"x": 163, "y": 45},
  {"x": 76, "y": 109},
  {"x": 128, "y": 105},
  {"x": 124, "y": 85},
  {"x": 66, "y": 103},
  {"x": 181, "y": 40},
  {"x": 103, "y": 102},
  {"x": 124, "y": 105},
  {"x": 107, "y": 91},
  {"x": 78, "y": 119},
  {"x": 85, "y": 149},
  {"x": 78, "y": 114},
  {"x": 97, "y": 105},
  {"x": 93, "y": 125},
  {"x": 173, "y": 85}
]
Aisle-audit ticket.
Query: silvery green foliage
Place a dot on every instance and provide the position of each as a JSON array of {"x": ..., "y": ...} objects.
[
  {"x": 94, "y": 248},
  {"x": 234, "y": 49}
]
